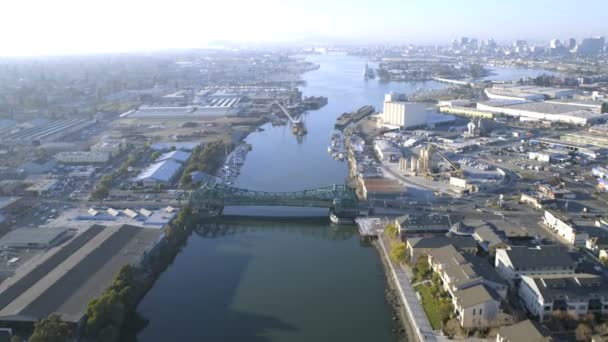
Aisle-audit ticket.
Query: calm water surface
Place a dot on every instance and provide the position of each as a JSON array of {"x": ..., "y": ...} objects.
[{"x": 252, "y": 280}]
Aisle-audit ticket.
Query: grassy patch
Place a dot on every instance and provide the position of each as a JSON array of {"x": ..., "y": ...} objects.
[{"x": 429, "y": 306}]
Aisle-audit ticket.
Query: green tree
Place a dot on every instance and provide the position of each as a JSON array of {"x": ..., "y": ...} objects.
[
  {"x": 422, "y": 269},
  {"x": 155, "y": 155},
  {"x": 391, "y": 230},
  {"x": 399, "y": 252},
  {"x": 51, "y": 329},
  {"x": 104, "y": 311},
  {"x": 605, "y": 107},
  {"x": 445, "y": 309}
]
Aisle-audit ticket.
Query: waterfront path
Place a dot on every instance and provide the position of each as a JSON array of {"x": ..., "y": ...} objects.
[{"x": 408, "y": 296}]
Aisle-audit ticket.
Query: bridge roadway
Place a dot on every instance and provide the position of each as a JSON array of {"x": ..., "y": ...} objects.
[{"x": 219, "y": 195}]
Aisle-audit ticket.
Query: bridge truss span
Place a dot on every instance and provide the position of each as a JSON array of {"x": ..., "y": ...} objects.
[{"x": 220, "y": 195}]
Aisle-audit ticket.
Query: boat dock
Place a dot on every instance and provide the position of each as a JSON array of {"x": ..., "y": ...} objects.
[
  {"x": 370, "y": 227},
  {"x": 347, "y": 118}
]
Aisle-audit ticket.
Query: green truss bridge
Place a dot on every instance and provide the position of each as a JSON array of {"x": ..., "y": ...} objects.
[{"x": 336, "y": 197}]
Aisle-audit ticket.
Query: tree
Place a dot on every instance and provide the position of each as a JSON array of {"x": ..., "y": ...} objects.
[
  {"x": 583, "y": 332},
  {"x": 399, "y": 252},
  {"x": 50, "y": 329},
  {"x": 452, "y": 328},
  {"x": 391, "y": 230},
  {"x": 155, "y": 155},
  {"x": 445, "y": 310},
  {"x": 422, "y": 269},
  {"x": 605, "y": 107},
  {"x": 104, "y": 311}
]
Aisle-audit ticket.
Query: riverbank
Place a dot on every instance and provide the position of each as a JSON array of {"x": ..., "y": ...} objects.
[
  {"x": 407, "y": 296},
  {"x": 405, "y": 330}
]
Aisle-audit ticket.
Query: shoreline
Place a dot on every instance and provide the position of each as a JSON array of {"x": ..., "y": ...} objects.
[{"x": 406, "y": 330}]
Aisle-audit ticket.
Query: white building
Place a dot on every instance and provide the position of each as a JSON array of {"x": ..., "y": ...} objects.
[
  {"x": 575, "y": 294},
  {"x": 516, "y": 261},
  {"x": 399, "y": 113},
  {"x": 83, "y": 157},
  {"x": 565, "y": 230},
  {"x": 475, "y": 287},
  {"x": 111, "y": 145},
  {"x": 161, "y": 173},
  {"x": 545, "y": 111}
]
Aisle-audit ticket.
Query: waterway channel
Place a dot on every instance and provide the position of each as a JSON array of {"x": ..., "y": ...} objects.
[{"x": 253, "y": 280}]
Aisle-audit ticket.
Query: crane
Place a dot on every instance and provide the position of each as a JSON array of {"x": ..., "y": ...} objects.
[{"x": 297, "y": 125}]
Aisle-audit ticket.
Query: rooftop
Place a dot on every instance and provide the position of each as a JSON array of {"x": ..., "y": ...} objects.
[
  {"x": 163, "y": 171},
  {"x": 524, "y": 331},
  {"x": 34, "y": 237},
  {"x": 177, "y": 155},
  {"x": 539, "y": 257},
  {"x": 569, "y": 286},
  {"x": 475, "y": 295},
  {"x": 67, "y": 277},
  {"x": 459, "y": 242}
]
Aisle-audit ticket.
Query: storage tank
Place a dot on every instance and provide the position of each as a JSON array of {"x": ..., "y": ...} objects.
[{"x": 413, "y": 164}]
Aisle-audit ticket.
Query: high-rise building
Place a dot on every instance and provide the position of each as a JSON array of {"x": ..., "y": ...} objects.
[
  {"x": 555, "y": 44},
  {"x": 591, "y": 46},
  {"x": 571, "y": 43}
]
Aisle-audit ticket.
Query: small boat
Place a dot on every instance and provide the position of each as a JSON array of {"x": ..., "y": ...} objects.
[{"x": 335, "y": 219}]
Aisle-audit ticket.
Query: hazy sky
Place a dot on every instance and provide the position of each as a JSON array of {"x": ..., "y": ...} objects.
[{"x": 32, "y": 27}]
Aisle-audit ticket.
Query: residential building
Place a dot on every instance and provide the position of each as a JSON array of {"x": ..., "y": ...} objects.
[
  {"x": 459, "y": 270},
  {"x": 421, "y": 246},
  {"x": 575, "y": 294},
  {"x": 477, "y": 307},
  {"x": 565, "y": 229},
  {"x": 488, "y": 239},
  {"x": 475, "y": 287},
  {"x": 596, "y": 244},
  {"x": 516, "y": 261},
  {"x": 524, "y": 331},
  {"x": 425, "y": 223}
]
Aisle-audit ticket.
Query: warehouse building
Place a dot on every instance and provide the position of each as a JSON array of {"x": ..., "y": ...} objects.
[
  {"x": 161, "y": 173},
  {"x": 83, "y": 157},
  {"x": 177, "y": 155},
  {"x": 544, "y": 111},
  {"x": 38, "y": 238},
  {"x": 112, "y": 146},
  {"x": 187, "y": 146},
  {"x": 64, "y": 278},
  {"x": 526, "y": 92}
]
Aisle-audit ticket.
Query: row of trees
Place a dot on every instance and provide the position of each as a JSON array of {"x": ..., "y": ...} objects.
[
  {"x": 106, "y": 314},
  {"x": 207, "y": 159},
  {"x": 102, "y": 189}
]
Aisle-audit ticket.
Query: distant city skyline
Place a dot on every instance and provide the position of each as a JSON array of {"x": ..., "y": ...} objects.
[{"x": 36, "y": 27}]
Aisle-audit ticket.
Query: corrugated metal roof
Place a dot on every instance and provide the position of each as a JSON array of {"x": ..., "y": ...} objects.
[
  {"x": 177, "y": 155},
  {"x": 163, "y": 171}
]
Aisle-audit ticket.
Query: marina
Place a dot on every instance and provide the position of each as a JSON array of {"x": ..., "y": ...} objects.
[{"x": 231, "y": 169}]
